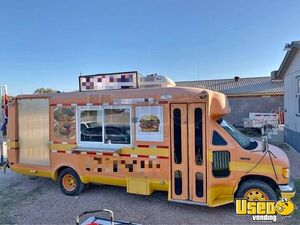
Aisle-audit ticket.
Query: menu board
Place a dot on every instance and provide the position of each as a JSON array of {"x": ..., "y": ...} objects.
[
  {"x": 64, "y": 122},
  {"x": 149, "y": 125}
]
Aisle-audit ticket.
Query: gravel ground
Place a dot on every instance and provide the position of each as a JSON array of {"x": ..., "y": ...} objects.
[{"x": 39, "y": 201}]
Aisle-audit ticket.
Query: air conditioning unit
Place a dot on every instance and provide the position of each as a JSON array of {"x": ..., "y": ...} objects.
[{"x": 155, "y": 80}]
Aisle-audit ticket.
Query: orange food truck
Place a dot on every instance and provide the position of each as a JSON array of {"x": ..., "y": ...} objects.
[{"x": 145, "y": 134}]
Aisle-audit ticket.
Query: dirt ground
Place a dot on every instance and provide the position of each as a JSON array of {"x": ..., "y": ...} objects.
[{"x": 39, "y": 201}]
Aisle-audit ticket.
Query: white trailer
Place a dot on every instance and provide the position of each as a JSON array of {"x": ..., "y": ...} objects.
[{"x": 258, "y": 120}]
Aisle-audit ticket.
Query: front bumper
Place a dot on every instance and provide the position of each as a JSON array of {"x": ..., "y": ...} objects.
[{"x": 288, "y": 191}]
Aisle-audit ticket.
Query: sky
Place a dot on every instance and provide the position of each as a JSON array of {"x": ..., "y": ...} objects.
[{"x": 49, "y": 43}]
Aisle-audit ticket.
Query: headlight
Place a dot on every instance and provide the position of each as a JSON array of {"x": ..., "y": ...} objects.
[{"x": 285, "y": 172}]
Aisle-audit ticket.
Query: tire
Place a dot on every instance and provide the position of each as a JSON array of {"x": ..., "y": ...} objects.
[
  {"x": 256, "y": 187},
  {"x": 69, "y": 182}
]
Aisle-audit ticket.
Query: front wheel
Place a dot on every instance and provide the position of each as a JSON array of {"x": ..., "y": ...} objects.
[
  {"x": 256, "y": 190},
  {"x": 69, "y": 182}
]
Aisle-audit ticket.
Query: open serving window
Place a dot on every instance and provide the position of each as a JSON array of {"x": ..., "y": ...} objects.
[{"x": 104, "y": 127}]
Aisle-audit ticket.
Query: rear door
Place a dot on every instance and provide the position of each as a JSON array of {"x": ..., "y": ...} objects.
[{"x": 33, "y": 126}]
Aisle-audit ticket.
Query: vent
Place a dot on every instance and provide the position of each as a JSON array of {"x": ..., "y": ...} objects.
[{"x": 221, "y": 161}]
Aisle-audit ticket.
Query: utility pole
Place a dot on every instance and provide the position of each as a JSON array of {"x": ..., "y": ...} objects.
[
  {"x": 198, "y": 69},
  {"x": 3, "y": 119}
]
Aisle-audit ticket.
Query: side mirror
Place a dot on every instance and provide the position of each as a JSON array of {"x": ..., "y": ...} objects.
[{"x": 265, "y": 143}]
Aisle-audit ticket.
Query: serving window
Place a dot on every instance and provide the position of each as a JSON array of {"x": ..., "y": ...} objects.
[
  {"x": 91, "y": 125},
  {"x": 108, "y": 127},
  {"x": 117, "y": 126}
]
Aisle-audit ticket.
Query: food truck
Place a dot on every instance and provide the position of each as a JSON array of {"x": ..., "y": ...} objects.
[{"x": 144, "y": 134}]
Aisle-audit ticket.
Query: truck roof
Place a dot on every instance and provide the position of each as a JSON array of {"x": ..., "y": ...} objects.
[{"x": 216, "y": 101}]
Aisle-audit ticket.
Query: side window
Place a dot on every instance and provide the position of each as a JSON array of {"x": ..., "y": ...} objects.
[
  {"x": 100, "y": 126},
  {"x": 178, "y": 182},
  {"x": 90, "y": 125},
  {"x": 199, "y": 184},
  {"x": 220, "y": 164},
  {"x": 198, "y": 136},
  {"x": 217, "y": 139},
  {"x": 117, "y": 126},
  {"x": 177, "y": 134}
]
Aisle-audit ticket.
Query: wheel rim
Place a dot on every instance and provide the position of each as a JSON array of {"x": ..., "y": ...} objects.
[
  {"x": 69, "y": 182},
  {"x": 256, "y": 195}
]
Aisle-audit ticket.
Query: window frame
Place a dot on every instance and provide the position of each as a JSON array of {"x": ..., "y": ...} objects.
[{"x": 101, "y": 145}]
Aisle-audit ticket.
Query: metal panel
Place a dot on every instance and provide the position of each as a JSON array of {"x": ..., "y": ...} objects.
[{"x": 33, "y": 122}]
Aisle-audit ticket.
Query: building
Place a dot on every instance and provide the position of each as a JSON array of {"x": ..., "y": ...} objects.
[
  {"x": 289, "y": 70},
  {"x": 253, "y": 94}
]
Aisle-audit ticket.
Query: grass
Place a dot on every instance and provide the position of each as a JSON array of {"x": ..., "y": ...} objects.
[{"x": 11, "y": 197}]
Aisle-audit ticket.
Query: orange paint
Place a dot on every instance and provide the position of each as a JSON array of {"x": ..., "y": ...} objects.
[{"x": 116, "y": 168}]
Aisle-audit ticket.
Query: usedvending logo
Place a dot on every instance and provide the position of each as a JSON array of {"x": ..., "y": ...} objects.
[{"x": 264, "y": 210}]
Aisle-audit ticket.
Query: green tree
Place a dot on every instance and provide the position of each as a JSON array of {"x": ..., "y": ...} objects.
[{"x": 44, "y": 90}]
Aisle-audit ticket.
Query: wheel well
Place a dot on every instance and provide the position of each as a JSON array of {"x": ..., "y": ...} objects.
[
  {"x": 267, "y": 180},
  {"x": 60, "y": 169}
]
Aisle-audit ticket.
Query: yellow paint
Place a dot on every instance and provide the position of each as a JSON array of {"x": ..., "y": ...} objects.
[
  {"x": 30, "y": 172},
  {"x": 261, "y": 168},
  {"x": 138, "y": 186},
  {"x": 170, "y": 191},
  {"x": 209, "y": 156},
  {"x": 222, "y": 200},
  {"x": 116, "y": 181},
  {"x": 285, "y": 172},
  {"x": 62, "y": 147},
  {"x": 288, "y": 195},
  {"x": 247, "y": 207},
  {"x": 134, "y": 151},
  {"x": 285, "y": 207},
  {"x": 69, "y": 182},
  {"x": 12, "y": 144},
  {"x": 246, "y": 166},
  {"x": 145, "y": 151},
  {"x": 153, "y": 184},
  {"x": 255, "y": 195},
  {"x": 158, "y": 185},
  {"x": 219, "y": 195}
]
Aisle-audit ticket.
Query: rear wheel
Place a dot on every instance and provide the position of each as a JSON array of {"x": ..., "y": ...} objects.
[
  {"x": 69, "y": 182},
  {"x": 256, "y": 190}
]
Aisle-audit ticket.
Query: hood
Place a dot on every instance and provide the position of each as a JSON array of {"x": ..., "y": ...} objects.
[{"x": 281, "y": 158}]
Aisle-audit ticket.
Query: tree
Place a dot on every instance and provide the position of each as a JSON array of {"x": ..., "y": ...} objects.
[{"x": 44, "y": 90}]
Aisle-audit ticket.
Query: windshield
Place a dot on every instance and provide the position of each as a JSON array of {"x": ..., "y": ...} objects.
[{"x": 244, "y": 141}]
